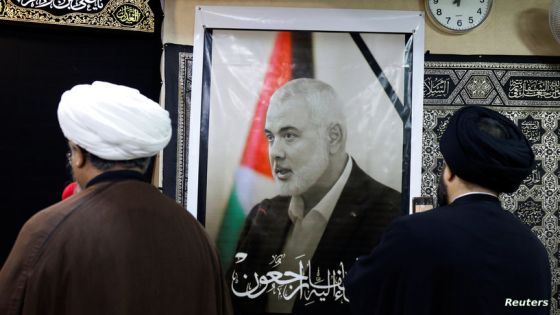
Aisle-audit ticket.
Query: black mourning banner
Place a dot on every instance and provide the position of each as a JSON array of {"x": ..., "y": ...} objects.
[
  {"x": 178, "y": 81},
  {"x": 132, "y": 15}
]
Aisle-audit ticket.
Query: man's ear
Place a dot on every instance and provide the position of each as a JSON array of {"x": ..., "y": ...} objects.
[
  {"x": 335, "y": 136},
  {"x": 448, "y": 174},
  {"x": 78, "y": 156}
]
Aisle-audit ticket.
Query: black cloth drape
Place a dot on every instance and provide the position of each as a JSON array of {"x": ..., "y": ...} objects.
[{"x": 38, "y": 63}]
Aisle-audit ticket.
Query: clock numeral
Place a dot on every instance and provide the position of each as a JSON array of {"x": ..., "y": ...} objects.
[
  {"x": 436, "y": 1},
  {"x": 471, "y": 20},
  {"x": 482, "y": 1},
  {"x": 459, "y": 23},
  {"x": 448, "y": 19},
  {"x": 438, "y": 12},
  {"x": 479, "y": 11}
]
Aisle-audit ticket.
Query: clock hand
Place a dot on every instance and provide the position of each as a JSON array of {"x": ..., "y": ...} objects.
[{"x": 457, "y": 2}]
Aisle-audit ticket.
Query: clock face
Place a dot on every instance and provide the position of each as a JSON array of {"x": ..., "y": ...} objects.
[{"x": 458, "y": 16}]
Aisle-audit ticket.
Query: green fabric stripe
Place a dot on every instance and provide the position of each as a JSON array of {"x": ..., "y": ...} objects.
[{"x": 232, "y": 224}]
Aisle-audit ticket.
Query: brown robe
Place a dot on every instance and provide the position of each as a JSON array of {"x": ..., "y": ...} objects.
[{"x": 118, "y": 247}]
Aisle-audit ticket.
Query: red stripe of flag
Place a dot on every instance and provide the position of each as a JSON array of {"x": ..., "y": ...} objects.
[{"x": 255, "y": 154}]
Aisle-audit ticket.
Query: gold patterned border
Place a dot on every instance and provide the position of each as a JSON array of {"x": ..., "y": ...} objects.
[{"x": 131, "y": 15}]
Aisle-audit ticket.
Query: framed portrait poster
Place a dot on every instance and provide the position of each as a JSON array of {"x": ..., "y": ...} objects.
[{"x": 304, "y": 144}]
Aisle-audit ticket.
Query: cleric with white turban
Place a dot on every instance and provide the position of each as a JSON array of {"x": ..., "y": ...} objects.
[
  {"x": 118, "y": 245},
  {"x": 113, "y": 122}
]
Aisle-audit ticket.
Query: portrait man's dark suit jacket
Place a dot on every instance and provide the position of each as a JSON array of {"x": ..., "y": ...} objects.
[
  {"x": 365, "y": 208},
  {"x": 463, "y": 259}
]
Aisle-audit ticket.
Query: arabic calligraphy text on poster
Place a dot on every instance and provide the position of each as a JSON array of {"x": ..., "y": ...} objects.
[{"x": 309, "y": 284}]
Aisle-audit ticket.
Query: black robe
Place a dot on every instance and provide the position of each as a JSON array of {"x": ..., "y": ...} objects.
[
  {"x": 466, "y": 258},
  {"x": 118, "y": 247}
]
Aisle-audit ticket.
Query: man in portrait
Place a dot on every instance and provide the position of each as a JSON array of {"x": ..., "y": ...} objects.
[{"x": 328, "y": 211}]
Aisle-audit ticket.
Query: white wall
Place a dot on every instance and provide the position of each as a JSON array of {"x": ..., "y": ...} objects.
[{"x": 515, "y": 27}]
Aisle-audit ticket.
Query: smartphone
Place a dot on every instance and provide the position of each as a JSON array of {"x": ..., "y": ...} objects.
[{"x": 421, "y": 204}]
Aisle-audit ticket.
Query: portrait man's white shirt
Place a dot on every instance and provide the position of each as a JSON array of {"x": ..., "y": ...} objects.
[{"x": 305, "y": 233}]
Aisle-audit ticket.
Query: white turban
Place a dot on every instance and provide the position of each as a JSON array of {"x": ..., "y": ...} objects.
[{"x": 113, "y": 122}]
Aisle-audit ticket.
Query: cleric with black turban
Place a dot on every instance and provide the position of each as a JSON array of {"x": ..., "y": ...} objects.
[
  {"x": 470, "y": 256},
  {"x": 483, "y": 147}
]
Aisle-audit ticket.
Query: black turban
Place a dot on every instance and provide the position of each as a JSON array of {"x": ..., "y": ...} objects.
[{"x": 500, "y": 164}]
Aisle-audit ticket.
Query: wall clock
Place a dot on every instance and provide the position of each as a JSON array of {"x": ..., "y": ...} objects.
[{"x": 458, "y": 16}]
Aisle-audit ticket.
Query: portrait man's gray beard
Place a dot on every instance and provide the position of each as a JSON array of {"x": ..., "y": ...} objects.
[{"x": 293, "y": 180}]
